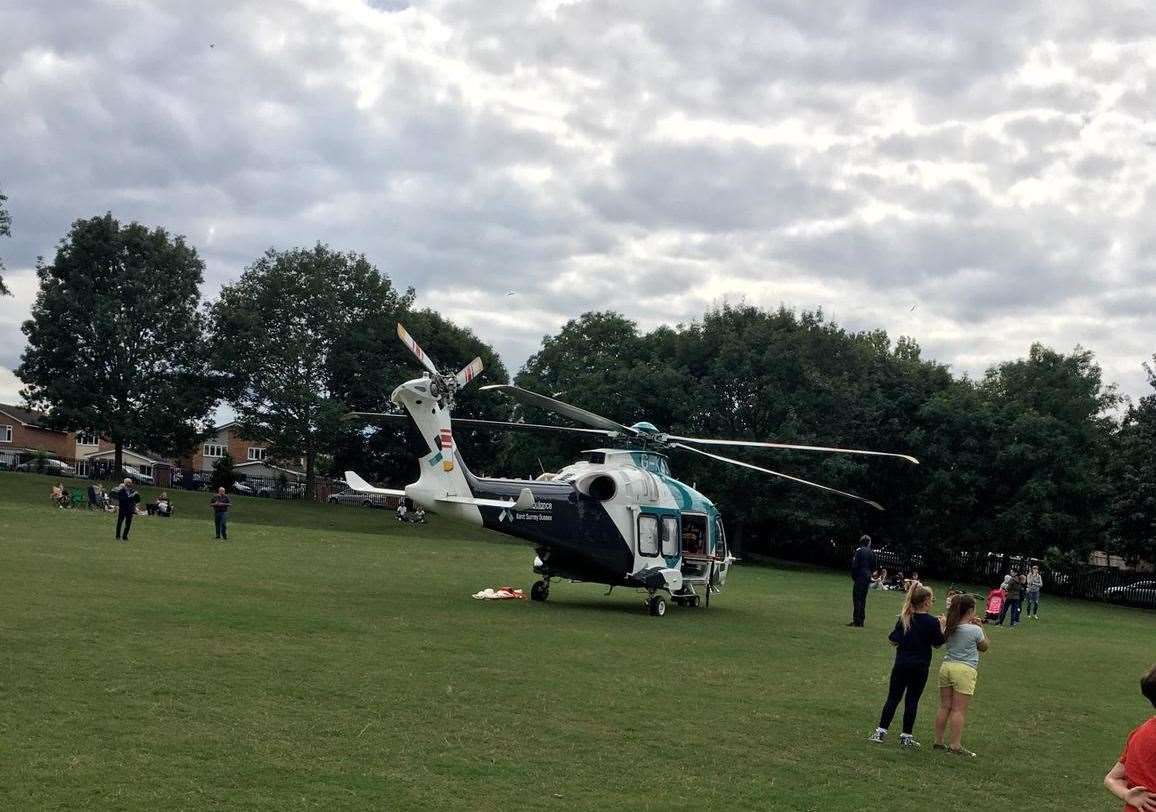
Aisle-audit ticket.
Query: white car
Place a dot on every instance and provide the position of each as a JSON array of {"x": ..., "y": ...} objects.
[
  {"x": 243, "y": 489},
  {"x": 1143, "y": 592},
  {"x": 137, "y": 476},
  {"x": 52, "y": 467},
  {"x": 349, "y": 497}
]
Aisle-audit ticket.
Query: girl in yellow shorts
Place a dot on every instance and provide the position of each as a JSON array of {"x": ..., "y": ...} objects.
[{"x": 957, "y": 674}]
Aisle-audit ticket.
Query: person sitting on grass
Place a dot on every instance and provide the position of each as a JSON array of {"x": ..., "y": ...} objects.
[
  {"x": 161, "y": 507},
  {"x": 59, "y": 497},
  {"x": 1133, "y": 779},
  {"x": 957, "y": 674},
  {"x": 879, "y": 579},
  {"x": 914, "y": 634}
]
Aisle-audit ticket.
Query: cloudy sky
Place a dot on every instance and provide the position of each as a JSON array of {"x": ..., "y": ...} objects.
[{"x": 977, "y": 175}]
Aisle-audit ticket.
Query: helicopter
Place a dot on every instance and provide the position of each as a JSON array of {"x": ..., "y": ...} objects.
[{"x": 616, "y": 516}]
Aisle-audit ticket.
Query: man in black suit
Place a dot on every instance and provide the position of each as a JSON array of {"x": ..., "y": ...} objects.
[
  {"x": 862, "y": 565},
  {"x": 126, "y": 501}
]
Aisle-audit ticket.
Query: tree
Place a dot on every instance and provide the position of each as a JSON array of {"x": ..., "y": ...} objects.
[
  {"x": 5, "y": 231},
  {"x": 1132, "y": 471},
  {"x": 1053, "y": 423},
  {"x": 115, "y": 342},
  {"x": 288, "y": 334},
  {"x": 224, "y": 473}
]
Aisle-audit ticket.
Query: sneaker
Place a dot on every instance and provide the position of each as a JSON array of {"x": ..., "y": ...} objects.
[
  {"x": 908, "y": 741},
  {"x": 939, "y": 747},
  {"x": 878, "y": 736},
  {"x": 961, "y": 751}
]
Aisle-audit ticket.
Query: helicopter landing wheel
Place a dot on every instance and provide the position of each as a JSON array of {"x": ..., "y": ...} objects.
[
  {"x": 656, "y": 605},
  {"x": 540, "y": 591},
  {"x": 693, "y": 602}
]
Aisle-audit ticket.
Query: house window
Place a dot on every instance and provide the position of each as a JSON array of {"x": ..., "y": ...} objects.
[
  {"x": 647, "y": 535},
  {"x": 257, "y": 454},
  {"x": 5, "y": 434},
  {"x": 214, "y": 450},
  {"x": 87, "y": 439}
]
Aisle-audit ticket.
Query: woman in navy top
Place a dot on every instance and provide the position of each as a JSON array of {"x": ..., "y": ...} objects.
[{"x": 915, "y": 632}]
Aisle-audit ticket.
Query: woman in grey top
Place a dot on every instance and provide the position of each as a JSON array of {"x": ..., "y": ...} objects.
[{"x": 1035, "y": 584}]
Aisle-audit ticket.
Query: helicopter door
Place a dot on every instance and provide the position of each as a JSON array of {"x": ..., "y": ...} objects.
[
  {"x": 721, "y": 554},
  {"x": 695, "y": 553}
]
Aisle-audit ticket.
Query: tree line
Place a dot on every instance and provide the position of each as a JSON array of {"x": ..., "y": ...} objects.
[{"x": 1039, "y": 456}]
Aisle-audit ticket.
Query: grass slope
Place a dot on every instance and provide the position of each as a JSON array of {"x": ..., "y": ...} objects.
[{"x": 327, "y": 657}]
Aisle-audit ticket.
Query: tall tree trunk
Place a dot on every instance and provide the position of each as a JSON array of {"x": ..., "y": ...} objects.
[
  {"x": 310, "y": 458},
  {"x": 118, "y": 456}
]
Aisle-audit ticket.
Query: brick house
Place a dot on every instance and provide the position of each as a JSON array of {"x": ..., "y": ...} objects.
[
  {"x": 21, "y": 433},
  {"x": 227, "y": 439}
]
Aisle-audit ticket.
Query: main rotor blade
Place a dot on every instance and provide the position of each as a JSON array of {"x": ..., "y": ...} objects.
[
  {"x": 469, "y": 372},
  {"x": 720, "y": 458},
  {"x": 407, "y": 339},
  {"x": 565, "y": 409},
  {"x": 745, "y": 444},
  {"x": 484, "y": 425}
]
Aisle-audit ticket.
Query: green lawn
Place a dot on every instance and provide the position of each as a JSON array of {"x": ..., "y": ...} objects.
[{"x": 327, "y": 657}]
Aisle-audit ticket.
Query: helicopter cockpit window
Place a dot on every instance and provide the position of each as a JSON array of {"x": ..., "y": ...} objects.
[
  {"x": 720, "y": 547},
  {"x": 647, "y": 535},
  {"x": 594, "y": 457},
  {"x": 670, "y": 538}
]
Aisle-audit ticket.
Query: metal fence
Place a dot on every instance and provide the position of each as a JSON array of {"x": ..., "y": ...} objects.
[{"x": 985, "y": 570}]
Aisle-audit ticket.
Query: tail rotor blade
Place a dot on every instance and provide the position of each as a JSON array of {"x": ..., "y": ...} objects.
[
  {"x": 407, "y": 339},
  {"x": 720, "y": 458},
  {"x": 470, "y": 371}
]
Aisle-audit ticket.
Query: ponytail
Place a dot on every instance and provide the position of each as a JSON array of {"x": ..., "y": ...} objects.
[
  {"x": 959, "y": 609},
  {"x": 917, "y": 596}
]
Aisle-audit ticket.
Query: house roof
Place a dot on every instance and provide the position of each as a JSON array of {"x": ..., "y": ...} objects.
[
  {"x": 26, "y": 417},
  {"x": 269, "y": 466},
  {"x": 125, "y": 456}
]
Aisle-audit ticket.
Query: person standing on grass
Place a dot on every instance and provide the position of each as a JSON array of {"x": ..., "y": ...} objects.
[
  {"x": 914, "y": 634},
  {"x": 220, "y": 503},
  {"x": 957, "y": 675},
  {"x": 1133, "y": 779},
  {"x": 126, "y": 502},
  {"x": 862, "y": 565},
  {"x": 1014, "y": 589},
  {"x": 1035, "y": 584}
]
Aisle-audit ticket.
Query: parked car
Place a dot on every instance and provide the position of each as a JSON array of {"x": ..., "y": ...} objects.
[
  {"x": 290, "y": 490},
  {"x": 350, "y": 497},
  {"x": 1142, "y": 592},
  {"x": 138, "y": 476},
  {"x": 51, "y": 467},
  {"x": 243, "y": 488}
]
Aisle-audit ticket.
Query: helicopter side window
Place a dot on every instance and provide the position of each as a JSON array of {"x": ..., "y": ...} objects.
[
  {"x": 647, "y": 535},
  {"x": 670, "y": 537}
]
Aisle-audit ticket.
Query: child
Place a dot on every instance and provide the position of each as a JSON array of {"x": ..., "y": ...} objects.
[
  {"x": 965, "y": 640},
  {"x": 1133, "y": 779},
  {"x": 914, "y": 634}
]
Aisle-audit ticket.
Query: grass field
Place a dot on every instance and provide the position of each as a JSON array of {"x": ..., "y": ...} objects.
[{"x": 327, "y": 657}]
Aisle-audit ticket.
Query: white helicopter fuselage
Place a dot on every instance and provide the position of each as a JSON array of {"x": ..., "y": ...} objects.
[{"x": 615, "y": 517}]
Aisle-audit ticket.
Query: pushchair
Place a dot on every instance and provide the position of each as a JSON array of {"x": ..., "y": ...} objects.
[{"x": 995, "y": 601}]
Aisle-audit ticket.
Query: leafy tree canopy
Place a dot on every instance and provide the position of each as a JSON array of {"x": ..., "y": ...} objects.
[{"x": 115, "y": 342}]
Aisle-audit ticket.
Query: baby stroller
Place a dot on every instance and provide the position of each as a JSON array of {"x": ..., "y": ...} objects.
[{"x": 995, "y": 601}]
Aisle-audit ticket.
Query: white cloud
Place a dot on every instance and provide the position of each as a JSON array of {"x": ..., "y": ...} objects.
[{"x": 991, "y": 163}]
